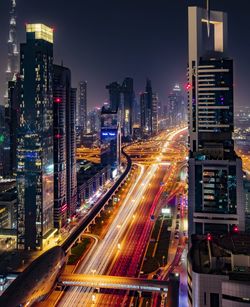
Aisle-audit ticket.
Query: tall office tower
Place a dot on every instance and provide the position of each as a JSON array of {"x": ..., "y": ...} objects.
[
  {"x": 216, "y": 203},
  {"x": 149, "y": 111},
  {"x": 82, "y": 107},
  {"x": 2, "y": 138},
  {"x": 13, "y": 54},
  {"x": 127, "y": 90},
  {"x": 71, "y": 153},
  {"x": 35, "y": 162},
  {"x": 12, "y": 117},
  {"x": 95, "y": 120},
  {"x": 114, "y": 95},
  {"x": 155, "y": 100},
  {"x": 176, "y": 109},
  {"x": 110, "y": 140},
  {"x": 61, "y": 94}
]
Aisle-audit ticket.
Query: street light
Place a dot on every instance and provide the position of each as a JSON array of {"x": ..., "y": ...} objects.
[{"x": 163, "y": 262}]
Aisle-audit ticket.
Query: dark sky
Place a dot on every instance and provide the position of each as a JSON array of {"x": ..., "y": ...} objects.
[{"x": 106, "y": 40}]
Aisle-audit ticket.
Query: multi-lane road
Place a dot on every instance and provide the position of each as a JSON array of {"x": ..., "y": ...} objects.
[{"x": 121, "y": 250}]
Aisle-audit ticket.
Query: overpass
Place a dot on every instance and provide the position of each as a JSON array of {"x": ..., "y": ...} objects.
[
  {"x": 114, "y": 282},
  {"x": 67, "y": 244}
]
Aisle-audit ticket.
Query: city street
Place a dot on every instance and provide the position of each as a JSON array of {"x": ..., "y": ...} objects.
[{"x": 121, "y": 251}]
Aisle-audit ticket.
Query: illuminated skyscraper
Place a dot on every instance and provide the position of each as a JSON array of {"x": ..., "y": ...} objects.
[
  {"x": 176, "y": 108},
  {"x": 64, "y": 146},
  {"x": 110, "y": 139},
  {"x": 215, "y": 172},
  {"x": 82, "y": 107},
  {"x": 71, "y": 153},
  {"x": 13, "y": 54},
  {"x": 149, "y": 111},
  {"x": 127, "y": 90},
  {"x": 35, "y": 169}
]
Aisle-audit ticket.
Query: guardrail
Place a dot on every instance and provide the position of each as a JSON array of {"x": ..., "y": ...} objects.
[{"x": 66, "y": 245}]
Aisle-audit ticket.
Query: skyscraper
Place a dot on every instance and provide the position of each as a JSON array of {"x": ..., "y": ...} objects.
[
  {"x": 127, "y": 90},
  {"x": 13, "y": 54},
  {"x": 215, "y": 171},
  {"x": 61, "y": 88},
  {"x": 12, "y": 118},
  {"x": 71, "y": 153},
  {"x": 110, "y": 139},
  {"x": 35, "y": 170},
  {"x": 149, "y": 111},
  {"x": 176, "y": 109},
  {"x": 82, "y": 107},
  {"x": 114, "y": 95}
]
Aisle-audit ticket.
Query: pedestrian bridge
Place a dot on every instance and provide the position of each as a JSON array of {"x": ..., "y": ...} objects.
[{"x": 113, "y": 282}]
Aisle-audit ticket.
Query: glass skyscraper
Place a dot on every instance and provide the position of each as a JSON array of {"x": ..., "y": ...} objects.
[{"x": 35, "y": 163}]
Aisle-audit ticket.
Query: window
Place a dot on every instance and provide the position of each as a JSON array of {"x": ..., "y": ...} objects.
[{"x": 214, "y": 300}]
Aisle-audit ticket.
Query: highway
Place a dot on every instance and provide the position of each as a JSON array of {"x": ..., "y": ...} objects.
[
  {"x": 106, "y": 248},
  {"x": 122, "y": 248},
  {"x": 85, "y": 222}
]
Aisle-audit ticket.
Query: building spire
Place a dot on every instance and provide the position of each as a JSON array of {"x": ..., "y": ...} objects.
[
  {"x": 13, "y": 54},
  {"x": 208, "y": 18}
]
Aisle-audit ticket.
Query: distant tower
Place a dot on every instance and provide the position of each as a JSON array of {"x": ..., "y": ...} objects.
[
  {"x": 82, "y": 108},
  {"x": 13, "y": 54}
]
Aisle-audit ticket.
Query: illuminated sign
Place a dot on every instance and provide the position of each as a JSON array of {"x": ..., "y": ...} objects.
[
  {"x": 108, "y": 134},
  {"x": 41, "y": 31},
  {"x": 166, "y": 211}
]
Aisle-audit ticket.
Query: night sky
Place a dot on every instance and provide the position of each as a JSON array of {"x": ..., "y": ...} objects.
[{"x": 107, "y": 40}]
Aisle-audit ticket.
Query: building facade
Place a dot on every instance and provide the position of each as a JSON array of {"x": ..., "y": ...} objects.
[
  {"x": 216, "y": 198},
  {"x": 82, "y": 107},
  {"x": 35, "y": 161},
  {"x": 176, "y": 107},
  {"x": 218, "y": 271},
  {"x": 149, "y": 111},
  {"x": 110, "y": 139},
  {"x": 13, "y": 53}
]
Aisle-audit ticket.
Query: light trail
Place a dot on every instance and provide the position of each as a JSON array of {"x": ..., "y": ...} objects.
[
  {"x": 99, "y": 260},
  {"x": 105, "y": 250}
]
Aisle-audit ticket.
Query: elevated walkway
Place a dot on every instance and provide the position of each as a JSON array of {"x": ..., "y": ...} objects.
[{"x": 113, "y": 282}]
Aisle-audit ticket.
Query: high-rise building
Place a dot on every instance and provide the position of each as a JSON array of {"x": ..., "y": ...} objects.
[
  {"x": 127, "y": 90},
  {"x": 155, "y": 100},
  {"x": 2, "y": 138},
  {"x": 176, "y": 108},
  {"x": 95, "y": 120},
  {"x": 121, "y": 99},
  {"x": 149, "y": 111},
  {"x": 61, "y": 89},
  {"x": 216, "y": 202},
  {"x": 110, "y": 139},
  {"x": 35, "y": 161},
  {"x": 114, "y": 95},
  {"x": 71, "y": 153},
  {"x": 12, "y": 117},
  {"x": 13, "y": 54},
  {"x": 82, "y": 107}
]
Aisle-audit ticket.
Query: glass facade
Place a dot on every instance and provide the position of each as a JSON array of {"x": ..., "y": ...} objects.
[{"x": 35, "y": 161}]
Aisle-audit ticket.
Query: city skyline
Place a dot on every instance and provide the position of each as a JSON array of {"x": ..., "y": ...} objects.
[
  {"x": 94, "y": 60},
  {"x": 143, "y": 200}
]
